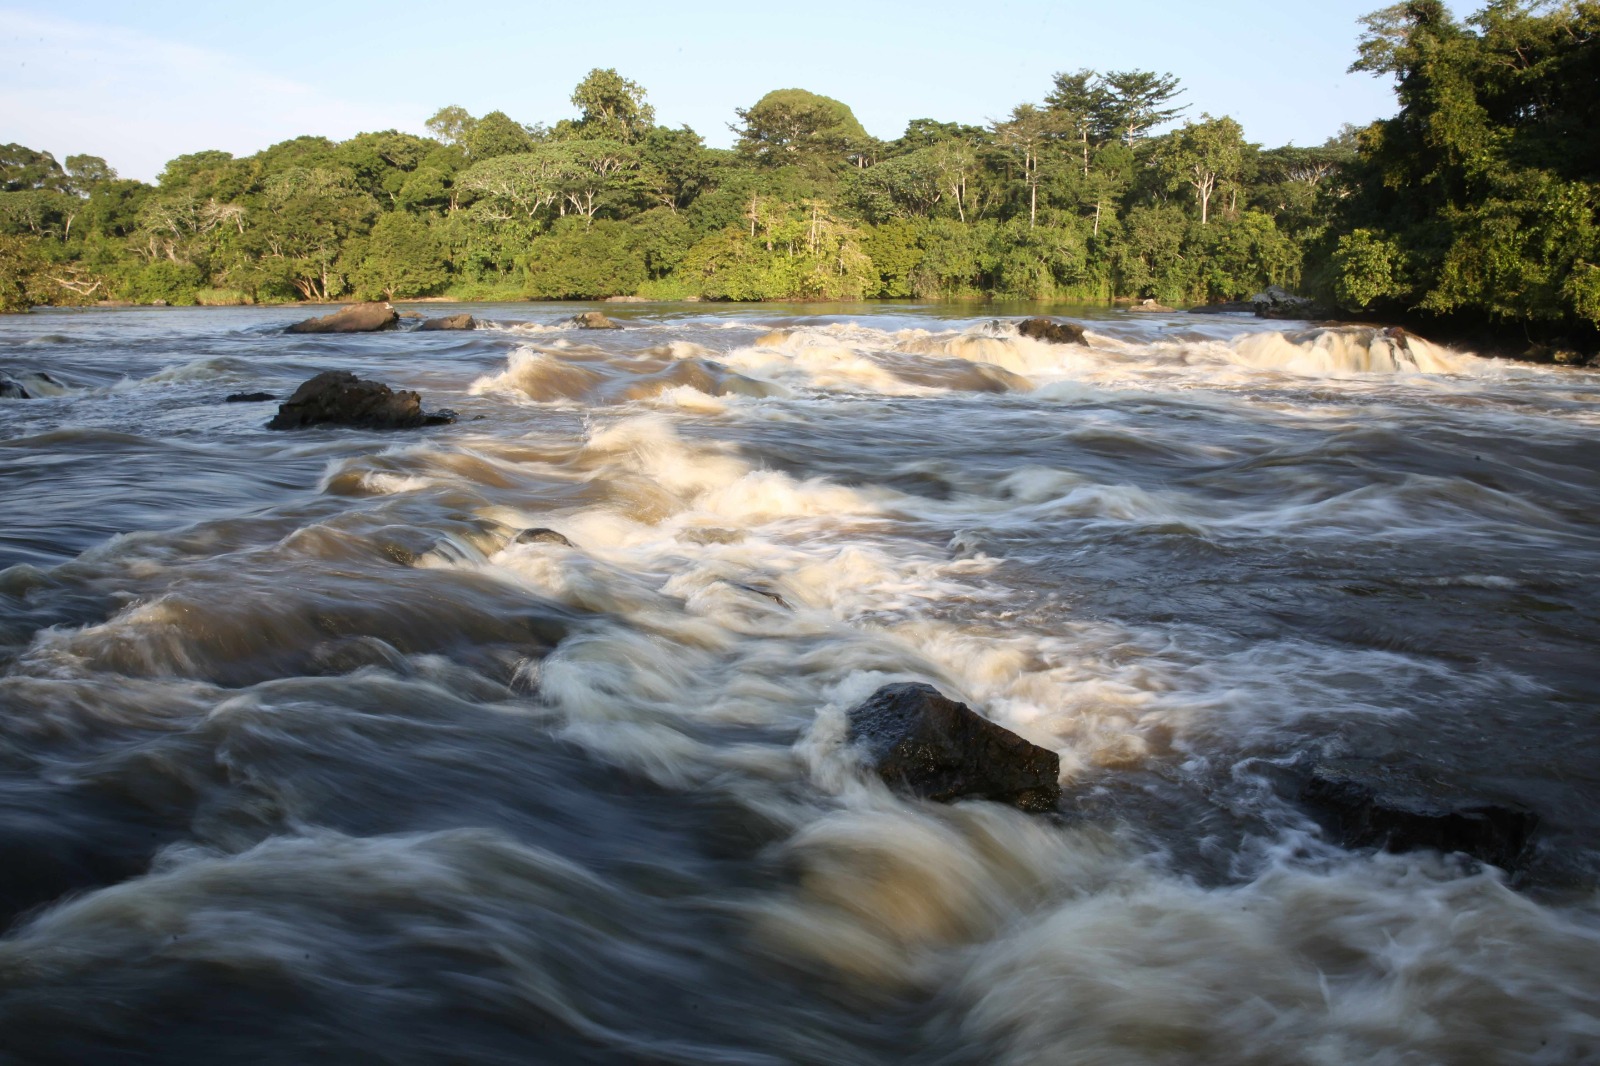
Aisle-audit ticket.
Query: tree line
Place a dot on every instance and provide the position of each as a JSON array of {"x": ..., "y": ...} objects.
[{"x": 1477, "y": 200}]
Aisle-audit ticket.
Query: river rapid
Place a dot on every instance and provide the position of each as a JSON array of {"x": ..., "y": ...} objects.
[{"x": 305, "y": 757}]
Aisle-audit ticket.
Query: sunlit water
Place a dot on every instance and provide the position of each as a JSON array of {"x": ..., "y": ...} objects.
[{"x": 305, "y": 758}]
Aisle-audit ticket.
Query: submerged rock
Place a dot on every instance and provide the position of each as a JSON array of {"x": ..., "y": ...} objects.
[
  {"x": 1051, "y": 331},
  {"x": 593, "y": 320},
  {"x": 922, "y": 743},
  {"x": 448, "y": 322},
  {"x": 1379, "y": 809},
  {"x": 338, "y": 397},
  {"x": 357, "y": 318},
  {"x": 250, "y": 397},
  {"x": 541, "y": 536},
  {"x": 11, "y": 389}
]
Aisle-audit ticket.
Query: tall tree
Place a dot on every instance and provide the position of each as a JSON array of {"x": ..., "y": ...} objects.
[{"x": 613, "y": 107}]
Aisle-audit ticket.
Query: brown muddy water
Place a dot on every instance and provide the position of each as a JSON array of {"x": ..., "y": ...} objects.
[{"x": 304, "y": 758}]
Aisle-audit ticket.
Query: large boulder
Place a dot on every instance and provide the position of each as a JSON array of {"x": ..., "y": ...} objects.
[
  {"x": 929, "y": 746},
  {"x": 449, "y": 322},
  {"x": 338, "y": 397},
  {"x": 1371, "y": 807},
  {"x": 1051, "y": 331},
  {"x": 593, "y": 320},
  {"x": 357, "y": 318},
  {"x": 1274, "y": 302}
]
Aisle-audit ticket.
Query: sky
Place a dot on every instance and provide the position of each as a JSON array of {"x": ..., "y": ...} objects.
[{"x": 140, "y": 83}]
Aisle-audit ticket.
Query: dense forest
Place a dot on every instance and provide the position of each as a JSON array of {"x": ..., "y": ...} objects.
[{"x": 1477, "y": 202}]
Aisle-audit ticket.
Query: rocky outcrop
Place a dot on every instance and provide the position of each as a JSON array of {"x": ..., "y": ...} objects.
[
  {"x": 250, "y": 397},
  {"x": 1274, "y": 302},
  {"x": 12, "y": 389},
  {"x": 593, "y": 320},
  {"x": 921, "y": 743},
  {"x": 357, "y": 318},
  {"x": 1373, "y": 808},
  {"x": 338, "y": 397},
  {"x": 1151, "y": 307},
  {"x": 1051, "y": 331},
  {"x": 448, "y": 322}
]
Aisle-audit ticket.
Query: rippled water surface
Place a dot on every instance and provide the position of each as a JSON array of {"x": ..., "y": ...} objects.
[{"x": 305, "y": 757}]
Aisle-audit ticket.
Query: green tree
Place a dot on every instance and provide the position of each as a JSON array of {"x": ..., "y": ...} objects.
[
  {"x": 613, "y": 108},
  {"x": 793, "y": 126},
  {"x": 401, "y": 257}
]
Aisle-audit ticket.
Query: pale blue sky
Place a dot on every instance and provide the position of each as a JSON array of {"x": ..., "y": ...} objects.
[{"x": 139, "y": 83}]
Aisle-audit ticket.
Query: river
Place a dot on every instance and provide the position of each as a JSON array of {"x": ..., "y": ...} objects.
[{"x": 305, "y": 756}]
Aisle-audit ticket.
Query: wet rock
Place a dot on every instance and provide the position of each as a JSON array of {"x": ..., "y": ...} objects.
[
  {"x": 357, "y": 318},
  {"x": 448, "y": 322},
  {"x": 11, "y": 389},
  {"x": 593, "y": 320},
  {"x": 411, "y": 314},
  {"x": 541, "y": 536},
  {"x": 1233, "y": 307},
  {"x": 1151, "y": 307},
  {"x": 766, "y": 594},
  {"x": 1051, "y": 331},
  {"x": 338, "y": 397},
  {"x": 249, "y": 397},
  {"x": 626, "y": 300},
  {"x": 1375, "y": 808},
  {"x": 1275, "y": 302},
  {"x": 922, "y": 743}
]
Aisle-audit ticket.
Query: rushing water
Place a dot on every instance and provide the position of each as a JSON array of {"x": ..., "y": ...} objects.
[{"x": 305, "y": 758}]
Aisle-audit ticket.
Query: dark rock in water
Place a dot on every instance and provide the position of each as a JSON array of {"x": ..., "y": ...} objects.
[
  {"x": 1275, "y": 302},
  {"x": 593, "y": 320},
  {"x": 357, "y": 318},
  {"x": 766, "y": 594},
  {"x": 11, "y": 389},
  {"x": 448, "y": 322},
  {"x": 541, "y": 536},
  {"x": 1051, "y": 331},
  {"x": 922, "y": 743},
  {"x": 250, "y": 397},
  {"x": 338, "y": 397},
  {"x": 1376, "y": 811},
  {"x": 1234, "y": 307}
]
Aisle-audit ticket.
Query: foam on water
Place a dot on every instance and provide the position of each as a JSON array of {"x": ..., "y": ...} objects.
[{"x": 364, "y": 761}]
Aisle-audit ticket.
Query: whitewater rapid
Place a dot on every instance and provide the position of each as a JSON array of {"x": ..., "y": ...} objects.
[{"x": 306, "y": 754}]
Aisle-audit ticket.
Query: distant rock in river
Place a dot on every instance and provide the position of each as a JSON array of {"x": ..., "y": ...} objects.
[{"x": 357, "y": 318}]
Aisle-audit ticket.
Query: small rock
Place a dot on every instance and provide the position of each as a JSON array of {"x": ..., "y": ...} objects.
[
  {"x": 357, "y": 318},
  {"x": 411, "y": 314},
  {"x": 158, "y": 303},
  {"x": 541, "y": 536},
  {"x": 766, "y": 594},
  {"x": 448, "y": 322},
  {"x": 626, "y": 300},
  {"x": 1151, "y": 307},
  {"x": 11, "y": 389},
  {"x": 922, "y": 743},
  {"x": 1374, "y": 810},
  {"x": 1051, "y": 332},
  {"x": 250, "y": 397},
  {"x": 593, "y": 320},
  {"x": 338, "y": 397}
]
